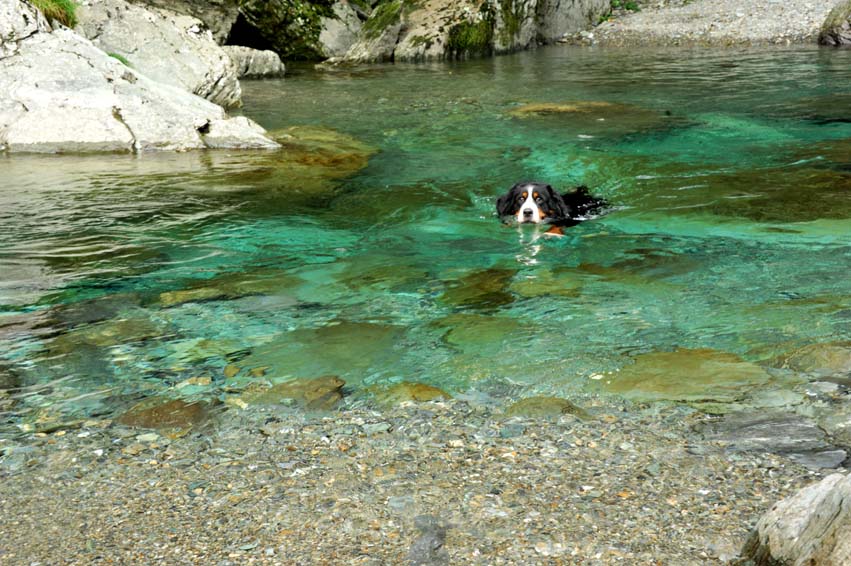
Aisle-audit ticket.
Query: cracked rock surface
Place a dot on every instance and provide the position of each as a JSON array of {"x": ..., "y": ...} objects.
[
  {"x": 167, "y": 47},
  {"x": 60, "y": 93}
]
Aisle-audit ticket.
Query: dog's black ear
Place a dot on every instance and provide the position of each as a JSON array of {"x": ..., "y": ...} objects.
[
  {"x": 505, "y": 203},
  {"x": 560, "y": 209}
]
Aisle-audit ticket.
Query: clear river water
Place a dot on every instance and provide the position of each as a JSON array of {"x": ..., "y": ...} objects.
[{"x": 729, "y": 174}]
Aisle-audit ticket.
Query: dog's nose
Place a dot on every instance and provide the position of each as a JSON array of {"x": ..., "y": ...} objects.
[{"x": 527, "y": 212}]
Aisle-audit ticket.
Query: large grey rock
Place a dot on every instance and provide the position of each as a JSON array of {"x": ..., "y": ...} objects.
[
  {"x": 559, "y": 17},
  {"x": 165, "y": 46},
  {"x": 218, "y": 15},
  {"x": 836, "y": 29},
  {"x": 778, "y": 432},
  {"x": 18, "y": 21},
  {"x": 451, "y": 29},
  {"x": 59, "y": 93},
  {"x": 254, "y": 63},
  {"x": 811, "y": 527},
  {"x": 340, "y": 32}
]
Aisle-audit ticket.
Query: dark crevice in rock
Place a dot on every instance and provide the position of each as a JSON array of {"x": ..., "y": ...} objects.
[
  {"x": 244, "y": 34},
  {"x": 116, "y": 113}
]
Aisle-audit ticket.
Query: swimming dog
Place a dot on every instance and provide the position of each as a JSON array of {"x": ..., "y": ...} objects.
[{"x": 531, "y": 202}]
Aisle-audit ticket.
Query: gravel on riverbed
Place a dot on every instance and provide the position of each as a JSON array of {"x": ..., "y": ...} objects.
[
  {"x": 711, "y": 22},
  {"x": 430, "y": 483}
]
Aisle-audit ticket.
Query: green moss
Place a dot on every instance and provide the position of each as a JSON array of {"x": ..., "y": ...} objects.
[
  {"x": 418, "y": 40},
  {"x": 469, "y": 38},
  {"x": 61, "y": 11},
  {"x": 513, "y": 13},
  {"x": 121, "y": 58},
  {"x": 384, "y": 16}
]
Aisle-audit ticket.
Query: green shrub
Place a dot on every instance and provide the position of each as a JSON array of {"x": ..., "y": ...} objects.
[
  {"x": 384, "y": 16},
  {"x": 62, "y": 11},
  {"x": 630, "y": 5}
]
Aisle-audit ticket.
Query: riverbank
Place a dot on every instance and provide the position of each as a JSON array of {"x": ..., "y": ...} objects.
[
  {"x": 711, "y": 23},
  {"x": 454, "y": 482}
]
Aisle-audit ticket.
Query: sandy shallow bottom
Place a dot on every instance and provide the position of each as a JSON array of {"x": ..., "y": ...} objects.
[{"x": 429, "y": 483}]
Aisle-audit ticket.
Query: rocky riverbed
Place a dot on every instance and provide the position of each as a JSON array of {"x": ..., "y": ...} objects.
[
  {"x": 463, "y": 481},
  {"x": 710, "y": 22}
]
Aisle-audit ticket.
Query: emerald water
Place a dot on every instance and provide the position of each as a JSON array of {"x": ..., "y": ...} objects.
[{"x": 729, "y": 172}]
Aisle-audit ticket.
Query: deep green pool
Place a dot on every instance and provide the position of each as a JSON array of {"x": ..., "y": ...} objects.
[{"x": 730, "y": 172}]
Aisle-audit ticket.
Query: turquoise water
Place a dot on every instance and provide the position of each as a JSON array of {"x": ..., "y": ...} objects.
[{"x": 729, "y": 172}]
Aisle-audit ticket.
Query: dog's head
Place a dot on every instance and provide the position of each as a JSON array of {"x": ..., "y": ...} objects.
[{"x": 531, "y": 202}]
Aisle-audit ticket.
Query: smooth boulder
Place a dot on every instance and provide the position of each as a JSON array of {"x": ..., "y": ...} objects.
[
  {"x": 254, "y": 63},
  {"x": 165, "y": 46},
  {"x": 218, "y": 15},
  {"x": 60, "y": 93}
]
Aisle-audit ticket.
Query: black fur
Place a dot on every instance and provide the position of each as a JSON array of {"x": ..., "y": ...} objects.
[{"x": 564, "y": 210}]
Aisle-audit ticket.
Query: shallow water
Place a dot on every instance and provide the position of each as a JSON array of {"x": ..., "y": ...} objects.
[{"x": 729, "y": 172}]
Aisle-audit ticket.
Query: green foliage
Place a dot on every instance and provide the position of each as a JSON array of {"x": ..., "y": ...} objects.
[
  {"x": 291, "y": 27},
  {"x": 630, "y": 5},
  {"x": 121, "y": 58},
  {"x": 384, "y": 16},
  {"x": 470, "y": 38},
  {"x": 61, "y": 11}
]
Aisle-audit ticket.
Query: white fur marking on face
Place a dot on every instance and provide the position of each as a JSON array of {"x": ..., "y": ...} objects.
[{"x": 529, "y": 203}]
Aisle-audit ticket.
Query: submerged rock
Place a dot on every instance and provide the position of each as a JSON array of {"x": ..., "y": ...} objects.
[
  {"x": 408, "y": 391},
  {"x": 59, "y": 93},
  {"x": 595, "y": 118},
  {"x": 105, "y": 334},
  {"x": 160, "y": 413},
  {"x": 810, "y": 527},
  {"x": 545, "y": 407},
  {"x": 686, "y": 375},
  {"x": 830, "y": 358},
  {"x": 548, "y": 282},
  {"x": 836, "y": 29},
  {"x": 487, "y": 289},
  {"x": 141, "y": 35},
  {"x": 321, "y": 393},
  {"x": 8, "y": 380},
  {"x": 254, "y": 63},
  {"x": 777, "y": 432},
  {"x": 340, "y": 347}
]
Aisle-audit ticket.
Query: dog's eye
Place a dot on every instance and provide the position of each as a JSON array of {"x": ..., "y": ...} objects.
[
  {"x": 539, "y": 200},
  {"x": 520, "y": 198}
]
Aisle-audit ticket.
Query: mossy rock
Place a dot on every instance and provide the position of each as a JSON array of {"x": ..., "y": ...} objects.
[
  {"x": 686, "y": 375},
  {"x": 548, "y": 282},
  {"x": 317, "y": 394},
  {"x": 829, "y": 358},
  {"x": 105, "y": 334},
  {"x": 409, "y": 392},
  {"x": 228, "y": 286},
  {"x": 484, "y": 290},
  {"x": 836, "y": 29},
  {"x": 781, "y": 195},
  {"x": 385, "y": 15},
  {"x": 545, "y": 407},
  {"x": 341, "y": 347},
  {"x": 307, "y": 169},
  {"x": 468, "y": 38},
  {"x": 595, "y": 118},
  {"x": 477, "y": 332},
  {"x": 161, "y": 413}
]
